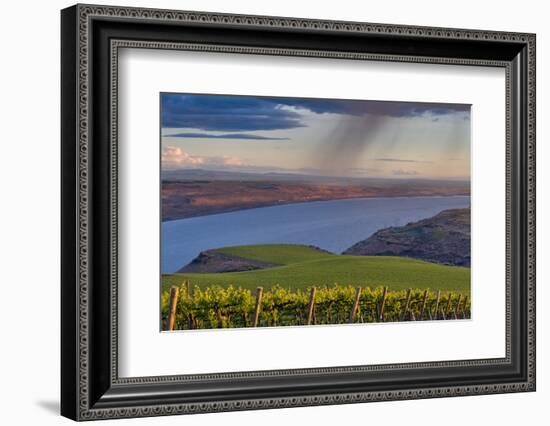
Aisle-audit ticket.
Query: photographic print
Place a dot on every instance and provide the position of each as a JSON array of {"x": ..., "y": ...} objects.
[{"x": 283, "y": 211}]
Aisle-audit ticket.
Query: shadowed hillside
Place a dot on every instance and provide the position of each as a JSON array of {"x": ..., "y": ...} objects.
[{"x": 444, "y": 238}]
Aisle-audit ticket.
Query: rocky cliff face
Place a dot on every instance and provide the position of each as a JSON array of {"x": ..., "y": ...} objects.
[{"x": 444, "y": 238}]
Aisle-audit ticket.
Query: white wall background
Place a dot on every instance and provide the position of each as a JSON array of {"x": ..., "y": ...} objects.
[{"x": 29, "y": 225}]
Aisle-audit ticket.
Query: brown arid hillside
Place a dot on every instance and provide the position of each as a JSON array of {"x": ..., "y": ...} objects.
[{"x": 189, "y": 198}]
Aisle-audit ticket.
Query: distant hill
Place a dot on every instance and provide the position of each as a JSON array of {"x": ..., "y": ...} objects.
[
  {"x": 308, "y": 176},
  {"x": 443, "y": 238}
]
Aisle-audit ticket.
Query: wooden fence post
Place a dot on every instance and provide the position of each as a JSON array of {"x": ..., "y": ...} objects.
[
  {"x": 329, "y": 316},
  {"x": 423, "y": 308},
  {"x": 187, "y": 289},
  {"x": 383, "y": 303},
  {"x": 448, "y": 307},
  {"x": 457, "y": 305},
  {"x": 464, "y": 307},
  {"x": 406, "y": 307},
  {"x": 355, "y": 305},
  {"x": 258, "y": 307},
  {"x": 173, "y": 305},
  {"x": 436, "y": 313},
  {"x": 311, "y": 305},
  {"x": 188, "y": 297}
]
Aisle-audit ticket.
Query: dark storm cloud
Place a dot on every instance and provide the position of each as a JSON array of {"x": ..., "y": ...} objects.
[
  {"x": 248, "y": 136},
  {"x": 378, "y": 108},
  {"x": 249, "y": 113},
  {"x": 226, "y": 113}
]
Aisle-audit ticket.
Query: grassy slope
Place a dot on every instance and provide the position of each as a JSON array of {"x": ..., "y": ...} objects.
[
  {"x": 279, "y": 254},
  {"x": 303, "y": 267}
]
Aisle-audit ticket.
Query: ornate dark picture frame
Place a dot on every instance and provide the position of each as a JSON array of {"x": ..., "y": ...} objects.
[{"x": 91, "y": 37}]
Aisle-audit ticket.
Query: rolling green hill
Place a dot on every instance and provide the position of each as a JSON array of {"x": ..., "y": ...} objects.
[
  {"x": 280, "y": 254},
  {"x": 303, "y": 266}
]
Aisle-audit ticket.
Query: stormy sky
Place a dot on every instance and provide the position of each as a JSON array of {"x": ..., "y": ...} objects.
[{"x": 329, "y": 137}]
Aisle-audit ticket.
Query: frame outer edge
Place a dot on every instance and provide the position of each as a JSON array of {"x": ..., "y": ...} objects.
[
  {"x": 531, "y": 201},
  {"x": 69, "y": 190},
  {"x": 82, "y": 410}
]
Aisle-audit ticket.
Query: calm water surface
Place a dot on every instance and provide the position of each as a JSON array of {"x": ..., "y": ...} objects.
[{"x": 332, "y": 225}]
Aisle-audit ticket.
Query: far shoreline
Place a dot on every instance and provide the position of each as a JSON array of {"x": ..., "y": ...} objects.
[{"x": 268, "y": 205}]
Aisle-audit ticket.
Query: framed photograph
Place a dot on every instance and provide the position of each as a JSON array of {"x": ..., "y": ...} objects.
[{"x": 263, "y": 212}]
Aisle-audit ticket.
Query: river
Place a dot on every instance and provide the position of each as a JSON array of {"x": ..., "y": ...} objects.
[{"x": 331, "y": 225}]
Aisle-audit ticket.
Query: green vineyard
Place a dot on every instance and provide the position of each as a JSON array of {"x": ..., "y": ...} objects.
[{"x": 187, "y": 306}]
